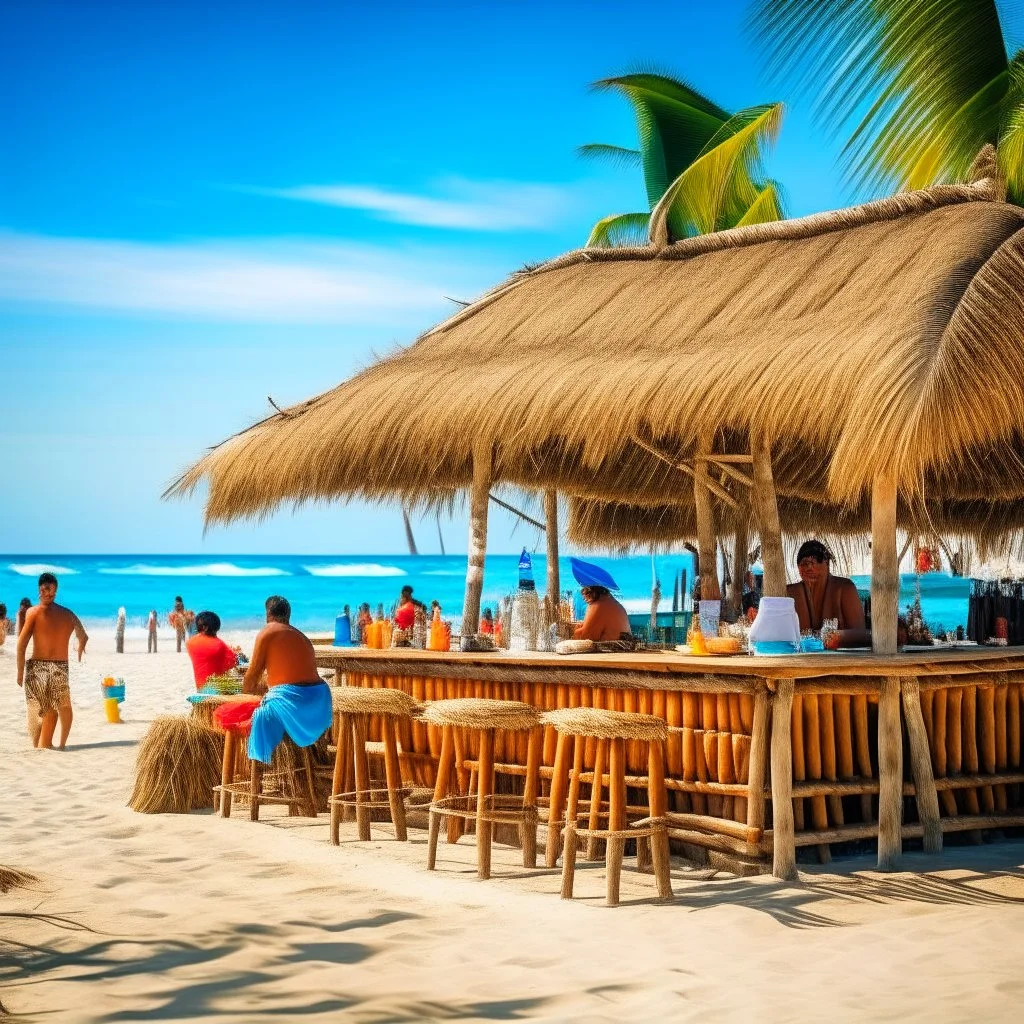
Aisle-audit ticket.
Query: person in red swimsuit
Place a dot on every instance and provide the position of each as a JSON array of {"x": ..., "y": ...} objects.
[{"x": 210, "y": 655}]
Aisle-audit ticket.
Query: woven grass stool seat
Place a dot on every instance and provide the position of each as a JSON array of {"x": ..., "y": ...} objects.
[
  {"x": 612, "y": 730},
  {"x": 354, "y": 707},
  {"x": 452, "y": 798}
]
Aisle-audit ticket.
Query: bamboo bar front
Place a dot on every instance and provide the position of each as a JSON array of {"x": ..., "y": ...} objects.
[{"x": 872, "y": 746}]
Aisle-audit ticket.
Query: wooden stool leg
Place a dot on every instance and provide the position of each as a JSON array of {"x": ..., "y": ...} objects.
[
  {"x": 445, "y": 765},
  {"x": 463, "y": 782},
  {"x": 255, "y": 780},
  {"x": 307, "y": 767},
  {"x": 616, "y": 816},
  {"x": 227, "y": 774},
  {"x": 393, "y": 774},
  {"x": 485, "y": 789},
  {"x": 530, "y": 792},
  {"x": 341, "y": 755},
  {"x": 571, "y": 817},
  {"x": 362, "y": 778},
  {"x": 556, "y": 804},
  {"x": 657, "y": 801},
  {"x": 594, "y": 822}
]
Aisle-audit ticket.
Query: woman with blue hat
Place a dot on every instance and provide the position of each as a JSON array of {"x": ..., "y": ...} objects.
[{"x": 606, "y": 619}]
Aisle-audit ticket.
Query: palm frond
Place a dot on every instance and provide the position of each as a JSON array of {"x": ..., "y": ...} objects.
[
  {"x": 700, "y": 199},
  {"x": 767, "y": 206},
  {"x": 619, "y": 156},
  {"x": 619, "y": 229},
  {"x": 674, "y": 124},
  {"x": 1011, "y": 135},
  {"x": 914, "y": 64}
]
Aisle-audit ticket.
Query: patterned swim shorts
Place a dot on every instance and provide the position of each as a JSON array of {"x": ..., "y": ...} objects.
[{"x": 46, "y": 685}]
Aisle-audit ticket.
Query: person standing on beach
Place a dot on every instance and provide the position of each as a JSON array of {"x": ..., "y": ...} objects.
[
  {"x": 19, "y": 619},
  {"x": 151, "y": 632},
  {"x": 178, "y": 621},
  {"x": 45, "y": 675},
  {"x": 122, "y": 618},
  {"x": 4, "y": 623}
]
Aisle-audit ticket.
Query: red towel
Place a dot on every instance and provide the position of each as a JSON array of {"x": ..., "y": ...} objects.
[{"x": 236, "y": 716}]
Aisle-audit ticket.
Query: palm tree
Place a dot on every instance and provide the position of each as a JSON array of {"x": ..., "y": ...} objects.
[
  {"x": 927, "y": 84},
  {"x": 702, "y": 166}
]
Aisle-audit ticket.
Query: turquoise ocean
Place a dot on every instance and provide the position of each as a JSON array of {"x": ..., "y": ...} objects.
[{"x": 235, "y": 586}]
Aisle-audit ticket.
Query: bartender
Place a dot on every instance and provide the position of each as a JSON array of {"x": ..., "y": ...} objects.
[
  {"x": 605, "y": 619},
  {"x": 819, "y": 596}
]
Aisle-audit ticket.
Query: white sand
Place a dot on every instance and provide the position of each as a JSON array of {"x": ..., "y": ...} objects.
[{"x": 192, "y": 917}]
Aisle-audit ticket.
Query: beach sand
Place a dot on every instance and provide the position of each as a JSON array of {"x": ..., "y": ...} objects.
[{"x": 190, "y": 917}]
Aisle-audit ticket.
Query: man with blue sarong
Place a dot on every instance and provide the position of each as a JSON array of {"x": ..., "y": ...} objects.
[{"x": 298, "y": 701}]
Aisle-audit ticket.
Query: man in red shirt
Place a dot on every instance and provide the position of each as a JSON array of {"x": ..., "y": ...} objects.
[{"x": 210, "y": 655}]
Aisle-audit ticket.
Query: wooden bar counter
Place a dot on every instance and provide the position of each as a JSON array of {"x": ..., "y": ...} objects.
[{"x": 764, "y": 754}]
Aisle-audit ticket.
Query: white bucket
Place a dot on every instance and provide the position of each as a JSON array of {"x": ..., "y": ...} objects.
[{"x": 776, "y": 630}]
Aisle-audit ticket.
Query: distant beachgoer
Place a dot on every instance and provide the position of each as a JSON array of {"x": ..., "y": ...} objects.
[
  {"x": 487, "y": 622},
  {"x": 5, "y": 623},
  {"x": 178, "y": 619},
  {"x": 19, "y": 620},
  {"x": 45, "y": 675},
  {"x": 298, "y": 701},
  {"x": 435, "y": 606},
  {"x": 210, "y": 655},
  {"x": 122, "y": 618},
  {"x": 151, "y": 625}
]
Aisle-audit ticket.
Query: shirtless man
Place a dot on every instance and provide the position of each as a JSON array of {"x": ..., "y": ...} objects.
[
  {"x": 45, "y": 675},
  {"x": 606, "y": 619},
  {"x": 298, "y": 701},
  {"x": 819, "y": 596},
  {"x": 282, "y": 651}
]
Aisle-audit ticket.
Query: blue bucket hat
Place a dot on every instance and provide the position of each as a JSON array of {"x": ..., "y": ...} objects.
[{"x": 589, "y": 575}]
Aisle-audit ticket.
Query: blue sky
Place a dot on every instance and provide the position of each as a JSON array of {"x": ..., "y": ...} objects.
[{"x": 205, "y": 204}]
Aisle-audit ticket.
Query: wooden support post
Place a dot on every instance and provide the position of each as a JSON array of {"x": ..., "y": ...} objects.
[
  {"x": 758, "y": 768},
  {"x": 890, "y": 773},
  {"x": 478, "y": 502},
  {"x": 766, "y": 516},
  {"x": 706, "y": 539},
  {"x": 784, "y": 839},
  {"x": 739, "y": 563},
  {"x": 551, "y": 533},
  {"x": 885, "y": 570},
  {"x": 921, "y": 763}
]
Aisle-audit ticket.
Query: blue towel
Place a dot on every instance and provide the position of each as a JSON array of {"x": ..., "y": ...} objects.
[{"x": 304, "y": 712}]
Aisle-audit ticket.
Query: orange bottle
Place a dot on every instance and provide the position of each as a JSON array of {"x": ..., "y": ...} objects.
[{"x": 697, "y": 645}]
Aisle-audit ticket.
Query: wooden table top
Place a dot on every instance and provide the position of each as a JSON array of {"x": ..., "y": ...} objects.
[{"x": 408, "y": 661}]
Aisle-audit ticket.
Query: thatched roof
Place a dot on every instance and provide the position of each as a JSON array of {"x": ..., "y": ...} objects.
[
  {"x": 887, "y": 336},
  {"x": 989, "y": 527}
]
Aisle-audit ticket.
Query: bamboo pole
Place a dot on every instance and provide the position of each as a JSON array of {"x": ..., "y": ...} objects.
[
  {"x": 758, "y": 764},
  {"x": 784, "y": 846},
  {"x": 766, "y": 514},
  {"x": 478, "y": 504},
  {"x": 885, "y": 571},
  {"x": 920, "y": 763},
  {"x": 890, "y": 773},
  {"x": 551, "y": 534},
  {"x": 706, "y": 540}
]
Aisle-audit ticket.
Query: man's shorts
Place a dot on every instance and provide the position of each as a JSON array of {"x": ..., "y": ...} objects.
[{"x": 46, "y": 686}]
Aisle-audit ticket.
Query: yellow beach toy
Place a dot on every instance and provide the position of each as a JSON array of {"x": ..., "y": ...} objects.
[{"x": 113, "y": 694}]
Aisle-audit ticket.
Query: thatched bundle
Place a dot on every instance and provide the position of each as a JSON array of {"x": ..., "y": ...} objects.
[
  {"x": 178, "y": 764},
  {"x": 12, "y": 878}
]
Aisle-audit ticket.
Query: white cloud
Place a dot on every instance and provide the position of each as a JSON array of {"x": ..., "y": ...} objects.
[
  {"x": 461, "y": 204},
  {"x": 258, "y": 281}
]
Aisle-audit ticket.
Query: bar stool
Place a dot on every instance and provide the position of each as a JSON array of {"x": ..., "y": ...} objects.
[
  {"x": 612, "y": 730},
  {"x": 354, "y": 706},
  {"x": 486, "y": 808},
  {"x": 278, "y": 784}
]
